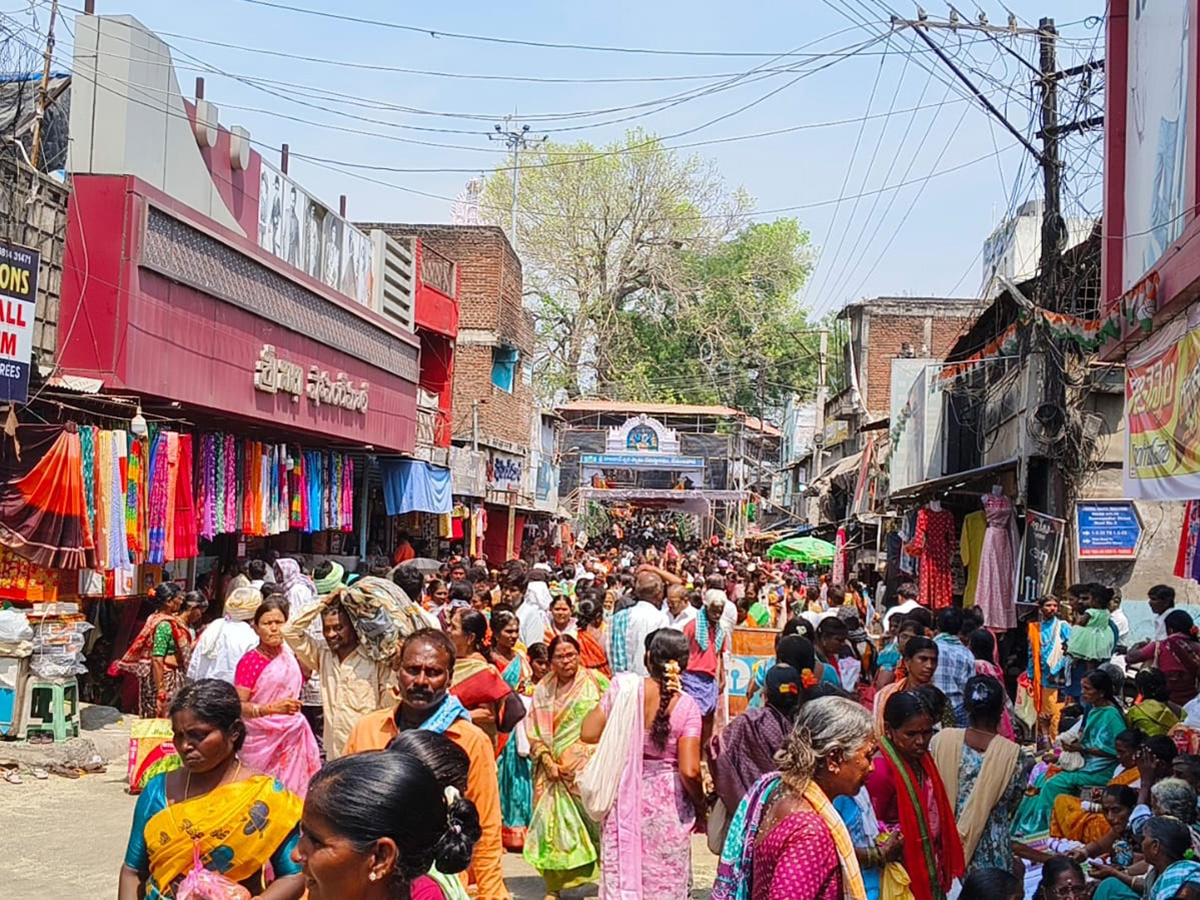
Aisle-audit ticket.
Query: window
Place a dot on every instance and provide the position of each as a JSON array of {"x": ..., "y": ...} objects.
[{"x": 504, "y": 367}]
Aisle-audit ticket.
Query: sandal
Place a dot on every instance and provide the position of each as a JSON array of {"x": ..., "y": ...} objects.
[
  {"x": 39, "y": 773},
  {"x": 12, "y": 776},
  {"x": 63, "y": 771}
]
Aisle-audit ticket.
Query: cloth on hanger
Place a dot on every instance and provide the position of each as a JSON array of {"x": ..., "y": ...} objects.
[
  {"x": 997, "y": 587},
  {"x": 970, "y": 548},
  {"x": 87, "y": 443},
  {"x": 43, "y": 507},
  {"x": 102, "y": 487},
  {"x": 933, "y": 543},
  {"x": 1187, "y": 561},
  {"x": 118, "y": 539},
  {"x": 186, "y": 538},
  {"x": 135, "y": 499},
  {"x": 156, "y": 514}
]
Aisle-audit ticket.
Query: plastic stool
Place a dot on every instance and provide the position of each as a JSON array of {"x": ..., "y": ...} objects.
[{"x": 51, "y": 707}]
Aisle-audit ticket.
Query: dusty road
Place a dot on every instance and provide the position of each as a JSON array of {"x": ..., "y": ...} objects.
[{"x": 64, "y": 840}]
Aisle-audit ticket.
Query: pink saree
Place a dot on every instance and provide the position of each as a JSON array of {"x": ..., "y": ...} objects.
[
  {"x": 281, "y": 746},
  {"x": 621, "y": 830}
]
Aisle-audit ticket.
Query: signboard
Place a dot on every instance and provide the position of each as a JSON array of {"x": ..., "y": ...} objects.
[
  {"x": 1107, "y": 530},
  {"x": 1041, "y": 550},
  {"x": 504, "y": 472},
  {"x": 641, "y": 461},
  {"x": 1162, "y": 411},
  {"x": 836, "y": 431},
  {"x": 18, "y": 301},
  {"x": 299, "y": 229},
  {"x": 1156, "y": 133}
]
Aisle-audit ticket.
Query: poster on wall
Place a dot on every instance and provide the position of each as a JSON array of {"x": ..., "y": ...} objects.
[
  {"x": 1162, "y": 413},
  {"x": 18, "y": 303},
  {"x": 1156, "y": 132},
  {"x": 1041, "y": 550},
  {"x": 296, "y": 227}
]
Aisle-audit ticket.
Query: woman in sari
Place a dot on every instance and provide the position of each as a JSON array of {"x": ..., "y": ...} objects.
[
  {"x": 562, "y": 619},
  {"x": 1101, "y": 724},
  {"x": 1167, "y": 848},
  {"x": 214, "y": 793},
  {"x": 279, "y": 740},
  {"x": 562, "y": 842},
  {"x": 590, "y": 617},
  {"x": 907, "y": 793},
  {"x": 1085, "y": 819},
  {"x": 983, "y": 647},
  {"x": 786, "y": 839},
  {"x": 1154, "y": 713},
  {"x": 646, "y": 837},
  {"x": 919, "y": 661},
  {"x": 159, "y": 655},
  {"x": 476, "y": 683},
  {"x": 984, "y": 774},
  {"x": 1178, "y": 656},
  {"x": 512, "y": 769}
]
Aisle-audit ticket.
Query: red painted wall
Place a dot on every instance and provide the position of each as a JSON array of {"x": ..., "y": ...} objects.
[{"x": 146, "y": 334}]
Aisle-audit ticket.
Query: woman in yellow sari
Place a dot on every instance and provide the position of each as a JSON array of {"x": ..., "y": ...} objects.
[
  {"x": 562, "y": 842},
  {"x": 235, "y": 820}
]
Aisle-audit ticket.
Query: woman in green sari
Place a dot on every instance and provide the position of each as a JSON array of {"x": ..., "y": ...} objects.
[
  {"x": 1154, "y": 713},
  {"x": 1096, "y": 741},
  {"x": 562, "y": 841},
  {"x": 512, "y": 769}
]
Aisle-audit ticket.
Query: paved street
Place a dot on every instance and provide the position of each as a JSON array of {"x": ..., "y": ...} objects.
[{"x": 64, "y": 839}]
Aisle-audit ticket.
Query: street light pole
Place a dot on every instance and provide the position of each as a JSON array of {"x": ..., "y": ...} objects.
[{"x": 516, "y": 139}]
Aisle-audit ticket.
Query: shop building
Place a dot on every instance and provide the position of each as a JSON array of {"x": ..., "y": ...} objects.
[
  {"x": 1151, "y": 276},
  {"x": 492, "y": 414}
]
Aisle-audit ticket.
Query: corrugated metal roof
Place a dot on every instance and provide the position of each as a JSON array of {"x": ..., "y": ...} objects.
[{"x": 668, "y": 409}]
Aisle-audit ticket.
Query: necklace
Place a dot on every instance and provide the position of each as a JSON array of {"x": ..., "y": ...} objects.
[{"x": 187, "y": 781}]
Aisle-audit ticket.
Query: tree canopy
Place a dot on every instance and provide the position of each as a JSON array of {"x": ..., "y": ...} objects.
[{"x": 649, "y": 280}]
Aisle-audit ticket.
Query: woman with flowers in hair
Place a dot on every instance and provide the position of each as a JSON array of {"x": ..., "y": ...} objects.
[
  {"x": 561, "y": 842},
  {"x": 646, "y": 849},
  {"x": 1178, "y": 656}
]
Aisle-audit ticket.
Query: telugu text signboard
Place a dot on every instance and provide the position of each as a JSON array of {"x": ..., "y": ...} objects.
[
  {"x": 1110, "y": 530},
  {"x": 18, "y": 301}
]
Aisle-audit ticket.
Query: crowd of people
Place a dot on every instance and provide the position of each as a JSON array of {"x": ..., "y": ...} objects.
[{"x": 394, "y": 737}]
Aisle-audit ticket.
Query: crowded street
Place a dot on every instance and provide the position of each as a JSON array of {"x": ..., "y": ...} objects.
[{"x": 629, "y": 451}]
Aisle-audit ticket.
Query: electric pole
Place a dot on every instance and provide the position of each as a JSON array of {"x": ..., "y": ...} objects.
[
  {"x": 1053, "y": 227},
  {"x": 516, "y": 139},
  {"x": 44, "y": 92}
]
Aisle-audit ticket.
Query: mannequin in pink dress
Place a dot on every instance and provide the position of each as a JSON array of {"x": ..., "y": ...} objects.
[
  {"x": 995, "y": 595},
  {"x": 933, "y": 544}
]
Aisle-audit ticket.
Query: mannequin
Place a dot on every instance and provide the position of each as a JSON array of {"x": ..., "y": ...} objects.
[
  {"x": 996, "y": 591},
  {"x": 934, "y": 544}
]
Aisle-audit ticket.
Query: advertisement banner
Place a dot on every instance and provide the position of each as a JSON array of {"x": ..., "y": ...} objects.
[
  {"x": 1041, "y": 550},
  {"x": 18, "y": 301},
  {"x": 1162, "y": 412}
]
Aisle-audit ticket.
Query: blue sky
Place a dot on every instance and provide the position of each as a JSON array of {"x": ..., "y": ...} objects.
[{"x": 886, "y": 244}]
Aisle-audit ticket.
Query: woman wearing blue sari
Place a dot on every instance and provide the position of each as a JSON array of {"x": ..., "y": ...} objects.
[
  {"x": 1096, "y": 741},
  {"x": 512, "y": 769}
]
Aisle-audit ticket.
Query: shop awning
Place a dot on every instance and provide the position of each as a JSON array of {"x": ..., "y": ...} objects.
[
  {"x": 947, "y": 483},
  {"x": 410, "y": 485},
  {"x": 842, "y": 467}
]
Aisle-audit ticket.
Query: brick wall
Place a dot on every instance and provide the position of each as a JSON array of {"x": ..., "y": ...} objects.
[{"x": 502, "y": 416}]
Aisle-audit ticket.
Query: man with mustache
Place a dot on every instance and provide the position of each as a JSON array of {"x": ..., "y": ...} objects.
[{"x": 424, "y": 667}]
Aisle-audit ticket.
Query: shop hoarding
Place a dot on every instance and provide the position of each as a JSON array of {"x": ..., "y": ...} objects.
[
  {"x": 1162, "y": 412},
  {"x": 18, "y": 303}
]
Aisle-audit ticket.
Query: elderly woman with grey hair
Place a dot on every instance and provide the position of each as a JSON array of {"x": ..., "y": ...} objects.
[
  {"x": 786, "y": 838},
  {"x": 1166, "y": 845}
]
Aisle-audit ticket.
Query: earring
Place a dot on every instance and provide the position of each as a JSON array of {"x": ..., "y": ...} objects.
[{"x": 374, "y": 876}]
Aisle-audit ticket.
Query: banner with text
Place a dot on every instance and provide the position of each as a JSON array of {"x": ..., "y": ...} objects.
[
  {"x": 1041, "y": 550},
  {"x": 18, "y": 300},
  {"x": 1162, "y": 411}
]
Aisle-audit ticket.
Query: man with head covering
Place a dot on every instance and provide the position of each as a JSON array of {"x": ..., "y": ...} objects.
[
  {"x": 226, "y": 640},
  {"x": 328, "y": 576}
]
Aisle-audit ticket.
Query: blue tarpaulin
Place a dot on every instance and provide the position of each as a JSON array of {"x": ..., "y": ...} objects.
[{"x": 410, "y": 485}]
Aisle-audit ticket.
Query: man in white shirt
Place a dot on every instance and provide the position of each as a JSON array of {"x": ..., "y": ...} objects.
[
  {"x": 1162, "y": 601},
  {"x": 225, "y": 641},
  {"x": 628, "y": 629},
  {"x": 679, "y": 610}
]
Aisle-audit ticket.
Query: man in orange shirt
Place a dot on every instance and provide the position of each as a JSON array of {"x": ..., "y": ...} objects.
[{"x": 425, "y": 668}]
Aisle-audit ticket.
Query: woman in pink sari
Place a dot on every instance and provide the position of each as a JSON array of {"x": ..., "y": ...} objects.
[
  {"x": 645, "y": 839},
  {"x": 279, "y": 741}
]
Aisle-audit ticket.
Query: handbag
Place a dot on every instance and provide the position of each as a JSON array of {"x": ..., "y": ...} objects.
[
  {"x": 1071, "y": 761},
  {"x": 601, "y": 776}
]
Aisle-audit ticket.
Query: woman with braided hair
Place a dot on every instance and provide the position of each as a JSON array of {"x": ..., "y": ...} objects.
[{"x": 645, "y": 844}]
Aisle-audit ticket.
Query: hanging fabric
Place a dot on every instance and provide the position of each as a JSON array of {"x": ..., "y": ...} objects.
[
  {"x": 102, "y": 497},
  {"x": 156, "y": 517},
  {"x": 232, "y": 520},
  {"x": 185, "y": 541},
  {"x": 1187, "y": 562},
  {"x": 118, "y": 540},
  {"x": 135, "y": 508},
  {"x": 43, "y": 506}
]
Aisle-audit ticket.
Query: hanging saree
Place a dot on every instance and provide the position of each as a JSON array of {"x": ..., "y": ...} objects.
[
  {"x": 101, "y": 478},
  {"x": 513, "y": 769},
  {"x": 43, "y": 507},
  {"x": 241, "y": 828},
  {"x": 562, "y": 842},
  {"x": 935, "y": 857}
]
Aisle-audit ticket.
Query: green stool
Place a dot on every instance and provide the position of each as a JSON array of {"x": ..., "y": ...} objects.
[{"x": 51, "y": 707}]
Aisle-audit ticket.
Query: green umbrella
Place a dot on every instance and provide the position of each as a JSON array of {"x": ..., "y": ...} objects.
[{"x": 810, "y": 550}]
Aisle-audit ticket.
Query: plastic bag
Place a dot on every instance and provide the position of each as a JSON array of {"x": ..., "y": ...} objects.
[
  {"x": 202, "y": 884},
  {"x": 14, "y": 627}
]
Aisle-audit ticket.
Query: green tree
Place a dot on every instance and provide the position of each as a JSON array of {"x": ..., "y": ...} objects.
[{"x": 648, "y": 280}]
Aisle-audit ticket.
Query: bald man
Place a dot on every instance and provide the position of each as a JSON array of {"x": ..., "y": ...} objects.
[{"x": 629, "y": 628}]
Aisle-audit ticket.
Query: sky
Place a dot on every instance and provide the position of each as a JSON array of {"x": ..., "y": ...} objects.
[{"x": 896, "y": 203}]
